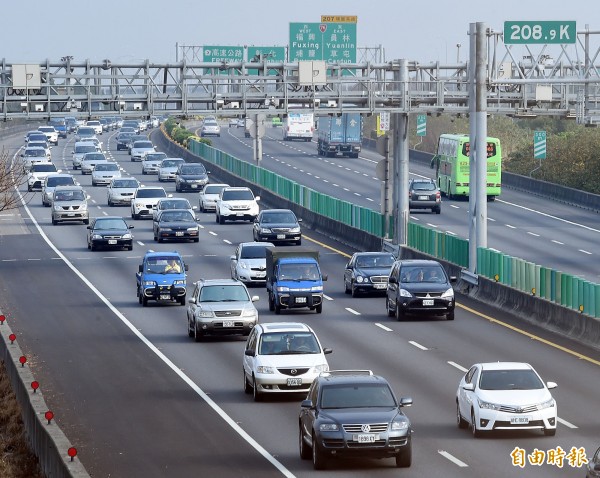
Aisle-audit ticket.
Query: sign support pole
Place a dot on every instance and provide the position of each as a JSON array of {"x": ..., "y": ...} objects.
[
  {"x": 401, "y": 149},
  {"x": 472, "y": 135},
  {"x": 481, "y": 146}
]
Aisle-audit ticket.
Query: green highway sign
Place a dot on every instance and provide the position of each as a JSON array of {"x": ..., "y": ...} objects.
[
  {"x": 539, "y": 145},
  {"x": 221, "y": 54},
  {"x": 332, "y": 42},
  {"x": 539, "y": 32},
  {"x": 270, "y": 54},
  {"x": 421, "y": 125}
]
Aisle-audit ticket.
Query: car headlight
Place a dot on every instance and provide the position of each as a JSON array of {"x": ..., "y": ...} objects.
[
  {"x": 488, "y": 405},
  {"x": 127, "y": 235},
  {"x": 548, "y": 404},
  {"x": 165, "y": 229},
  {"x": 265, "y": 369},
  {"x": 360, "y": 279},
  {"x": 83, "y": 207},
  {"x": 182, "y": 180},
  {"x": 96, "y": 236},
  {"x": 321, "y": 368},
  {"x": 399, "y": 424},
  {"x": 283, "y": 289},
  {"x": 225, "y": 205},
  {"x": 329, "y": 427},
  {"x": 405, "y": 293},
  {"x": 449, "y": 294},
  {"x": 249, "y": 313},
  {"x": 139, "y": 205},
  {"x": 265, "y": 230},
  {"x": 179, "y": 282},
  {"x": 316, "y": 288},
  {"x": 295, "y": 230},
  {"x": 205, "y": 313},
  {"x": 190, "y": 229},
  {"x": 57, "y": 208},
  {"x": 149, "y": 283},
  {"x": 243, "y": 265}
]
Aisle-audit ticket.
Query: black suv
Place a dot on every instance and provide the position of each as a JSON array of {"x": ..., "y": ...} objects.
[
  {"x": 418, "y": 286},
  {"x": 424, "y": 194},
  {"x": 353, "y": 413}
]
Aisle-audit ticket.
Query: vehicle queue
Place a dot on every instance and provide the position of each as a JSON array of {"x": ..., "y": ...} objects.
[{"x": 512, "y": 395}]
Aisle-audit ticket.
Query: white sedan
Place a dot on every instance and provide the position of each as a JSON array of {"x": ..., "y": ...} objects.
[
  {"x": 168, "y": 169},
  {"x": 505, "y": 396},
  {"x": 121, "y": 191},
  {"x": 104, "y": 173}
]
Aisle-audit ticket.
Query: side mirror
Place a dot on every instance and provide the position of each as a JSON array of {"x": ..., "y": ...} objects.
[
  {"x": 469, "y": 387},
  {"x": 551, "y": 385},
  {"x": 257, "y": 198},
  {"x": 324, "y": 277},
  {"x": 88, "y": 227},
  {"x": 327, "y": 351},
  {"x": 392, "y": 280},
  {"x": 255, "y": 298},
  {"x": 249, "y": 353},
  {"x": 232, "y": 258},
  {"x": 192, "y": 301},
  {"x": 130, "y": 226},
  {"x": 186, "y": 268},
  {"x": 306, "y": 404},
  {"x": 406, "y": 401},
  {"x": 299, "y": 220}
]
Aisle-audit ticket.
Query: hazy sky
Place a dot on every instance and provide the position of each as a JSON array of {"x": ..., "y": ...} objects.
[{"x": 133, "y": 30}]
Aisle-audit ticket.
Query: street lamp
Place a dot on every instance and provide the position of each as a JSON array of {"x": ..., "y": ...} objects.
[{"x": 458, "y": 45}]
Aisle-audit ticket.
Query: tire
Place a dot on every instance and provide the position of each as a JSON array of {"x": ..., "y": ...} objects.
[
  {"x": 181, "y": 300},
  {"x": 190, "y": 332},
  {"x": 476, "y": 433},
  {"x": 299, "y": 242},
  {"x": 271, "y": 303},
  {"x": 130, "y": 248},
  {"x": 318, "y": 457},
  {"x": 399, "y": 313},
  {"x": 197, "y": 239},
  {"x": 202, "y": 208},
  {"x": 91, "y": 247},
  {"x": 247, "y": 387},
  {"x": 404, "y": 459},
  {"x": 319, "y": 308},
  {"x": 354, "y": 290},
  {"x": 144, "y": 172},
  {"x": 177, "y": 189},
  {"x": 437, "y": 210},
  {"x": 305, "y": 451},
  {"x": 277, "y": 309},
  {"x": 54, "y": 222},
  {"x": 549, "y": 432},
  {"x": 346, "y": 288},
  {"x": 450, "y": 316},
  {"x": 139, "y": 296},
  {"x": 29, "y": 188},
  {"x": 460, "y": 421},
  {"x": 144, "y": 301},
  {"x": 390, "y": 313},
  {"x": 109, "y": 203},
  {"x": 255, "y": 393},
  {"x": 221, "y": 219},
  {"x": 198, "y": 337}
]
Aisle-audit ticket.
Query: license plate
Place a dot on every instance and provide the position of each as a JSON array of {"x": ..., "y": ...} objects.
[
  {"x": 423, "y": 198},
  {"x": 179, "y": 233},
  {"x": 165, "y": 296},
  {"x": 365, "y": 438},
  {"x": 112, "y": 241},
  {"x": 261, "y": 274},
  {"x": 280, "y": 236},
  {"x": 294, "y": 382},
  {"x": 519, "y": 420},
  {"x": 228, "y": 323},
  {"x": 379, "y": 286},
  {"x": 300, "y": 300},
  {"x": 70, "y": 214},
  {"x": 427, "y": 301},
  {"x": 194, "y": 186}
]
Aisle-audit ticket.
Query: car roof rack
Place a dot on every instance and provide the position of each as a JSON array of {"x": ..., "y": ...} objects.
[{"x": 346, "y": 372}]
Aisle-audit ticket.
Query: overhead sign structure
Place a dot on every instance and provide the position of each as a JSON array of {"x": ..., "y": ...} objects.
[
  {"x": 539, "y": 145},
  {"x": 539, "y": 32},
  {"x": 222, "y": 55},
  {"x": 270, "y": 54},
  {"x": 421, "y": 125},
  {"x": 332, "y": 42}
]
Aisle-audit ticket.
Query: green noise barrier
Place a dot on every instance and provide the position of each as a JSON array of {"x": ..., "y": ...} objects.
[{"x": 556, "y": 286}]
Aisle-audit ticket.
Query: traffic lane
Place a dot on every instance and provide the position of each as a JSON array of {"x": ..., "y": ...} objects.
[{"x": 115, "y": 433}]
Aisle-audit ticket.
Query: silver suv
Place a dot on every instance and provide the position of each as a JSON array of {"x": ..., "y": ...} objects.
[
  {"x": 70, "y": 204},
  {"x": 220, "y": 307}
]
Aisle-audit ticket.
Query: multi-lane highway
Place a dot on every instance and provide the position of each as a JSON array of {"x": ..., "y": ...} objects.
[{"x": 139, "y": 398}]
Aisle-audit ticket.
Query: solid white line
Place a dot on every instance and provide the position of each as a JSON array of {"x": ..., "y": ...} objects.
[
  {"x": 34, "y": 259},
  {"x": 453, "y": 459},
  {"x": 352, "y": 311},
  {"x": 459, "y": 367},
  {"x": 381, "y": 326},
  {"x": 9, "y": 260},
  {"x": 566, "y": 423},
  {"x": 418, "y": 345},
  {"x": 491, "y": 220},
  {"x": 369, "y": 199},
  {"x": 239, "y": 430}
]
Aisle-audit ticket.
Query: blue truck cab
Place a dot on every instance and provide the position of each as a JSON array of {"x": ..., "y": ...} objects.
[
  {"x": 161, "y": 277},
  {"x": 60, "y": 125},
  {"x": 294, "y": 279}
]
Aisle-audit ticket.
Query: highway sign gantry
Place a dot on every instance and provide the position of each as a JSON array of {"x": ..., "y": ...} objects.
[{"x": 539, "y": 32}]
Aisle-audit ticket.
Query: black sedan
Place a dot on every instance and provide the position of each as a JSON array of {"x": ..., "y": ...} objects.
[
  {"x": 277, "y": 225},
  {"x": 367, "y": 272},
  {"x": 109, "y": 232},
  {"x": 190, "y": 177},
  {"x": 175, "y": 224},
  {"x": 122, "y": 140}
]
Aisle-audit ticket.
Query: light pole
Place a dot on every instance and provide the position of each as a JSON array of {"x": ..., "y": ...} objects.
[{"x": 458, "y": 45}]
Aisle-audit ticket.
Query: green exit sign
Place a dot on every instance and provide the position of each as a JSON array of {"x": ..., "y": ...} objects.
[{"x": 539, "y": 32}]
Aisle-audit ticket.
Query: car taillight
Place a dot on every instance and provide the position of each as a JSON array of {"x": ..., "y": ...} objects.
[{"x": 438, "y": 196}]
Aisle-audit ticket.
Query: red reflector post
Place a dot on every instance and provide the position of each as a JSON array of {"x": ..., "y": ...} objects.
[
  {"x": 72, "y": 452},
  {"x": 49, "y": 416}
]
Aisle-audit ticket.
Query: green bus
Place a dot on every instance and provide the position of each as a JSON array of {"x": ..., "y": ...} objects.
[{"x": 452, "y": 166}]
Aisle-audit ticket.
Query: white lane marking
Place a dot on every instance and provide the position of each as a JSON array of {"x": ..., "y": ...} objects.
[
  {"x": 327, "y": 297},
  {"x": 357, "y": 194},
  {"x": 585, "y": 252},
  {"x": 9, "y": 260},
  {"x": 459, "y": 367},
  {"x": 346, "y": 189},
  {"x": 352, "y": 311},
  {"x": 140, "y": 243},
  {"x": 558, "y": 242},
  {"x": 508, "y": 225},
  {"x": 533, "y": 234},
  {"x": 105, "y": 213},
  {"x": 418, "y": 345},
  {"x": 212, "y": 233},
  {"x": 566, "y": 423},
  {"x": 336, "y": 185},
  {"x": 226, "y": 418},
  {"x": 453, "y": 459},
  {"x": 451, "y": 233},
  {"x": 381, "y": 326},
  {"x": 455, "y": 207},
  {"x": 491, "y": 220},
  {"x": 226, "y": 241},
  {"x": 34, "y": 259},
  {"x": 369, "y": 199}
]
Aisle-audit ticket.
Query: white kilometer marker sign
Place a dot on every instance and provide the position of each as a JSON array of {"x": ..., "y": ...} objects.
[{"x": 453, "y": 459}]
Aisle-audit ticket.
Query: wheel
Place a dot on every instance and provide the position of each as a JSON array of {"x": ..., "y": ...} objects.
[
  {"x": 476, "y": 433},
  {"x": 303, "y": 448},
  {"x": 54, "y": 222},
  {"x": 318, "y": 457},
  {"x": 319, "y": 308},
  {"x": 450, "y": 316},
  {"x": 247, "y": 387},
  {"x": 190, "y": 331},
  {"x": 390, "y": 313},
  {"x": 197, "y": 335},
  {"x": 346, "y": 288},
  {"x": 549, "y": 432},
  {"x": 139, "y": 296},
  {"x": 155, "y": 237},
  {"x": 144, "y": 301},
  {"x": 181, "y": 300},
  {"x": 91, "y": 247},
  {"x": 29, "y": 188},
  {"x": 399, "y": 313},
  {"x": 255, "y": 393},
  {"x": 299, "y": 242},
  {"x": 221, "y": 219},
  {"x": 130, "y": 248},
  {"x": 202, "y": 207},
  {"x": 354, "y": 290},
  {"x": 404, "y": 459},
  {"x": 277, "y": 308},
  {"x": 177, "y": 189},
  {"x": 197, "y": 239},
  {"x": 144, "y": 172},
  {"x": 86, "y": 221},
  {"x": 109, "y": 202},
  {"x": 271, "y": 303},
  {"x": 460, "y": 421},
  {"x": 437, "y": 209}
]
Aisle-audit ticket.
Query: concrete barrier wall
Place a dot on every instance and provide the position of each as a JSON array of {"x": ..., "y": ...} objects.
[{"x": 47, "y": 440}]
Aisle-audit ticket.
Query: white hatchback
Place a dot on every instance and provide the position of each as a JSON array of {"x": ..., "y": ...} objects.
[
  {"x": 282, "y": 357},
  {"x": 505, "y": 396}
]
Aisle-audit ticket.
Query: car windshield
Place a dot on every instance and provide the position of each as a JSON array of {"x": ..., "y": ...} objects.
[
  {"x": 86, "y": 131},
  {"x": 85, "y": 148},
  {"x": 35, "y": 153},
  {"x": 175, "y": 204},
  {"x": 253, "y": 252},
  {"x": 155, "y": 156},
  {"x": 43, "y": 168},
  {"x": 124, "y": 135},
  {"x": 164, "y": 265},
  {"x": 47, "y": 129},
  {"x": 525, "y": 379},
  {"x": 357, "y": 396},
  {"x": 94, "y": 157},
  {"x": 372, "y": 260},
  {"x": 176, "y": 216},
  {"x": 424, "y": 186},
  {"x": 224, "y": 293},
  {"x": 299, "y": 272},
  {"x": 76, "y": 195},
  {"x": 106, "y": 224},
  {"x": 151, "y": 193},
  {"x": 288, "y": 343},
  {"x": 125, "y": 183},
  {"x": 433, "y": 273},
  {"x": 107, "y": 167},
  {"x": 37, "y": 137},
  {"x": 142, "y": 144},
  {"x": 37, "y": 144},
  {"x": 238, "y": 195},
  {"x": 170, "y": 163},
  {"x": 213, "y": 189},
  {"x": 196, "y": 169},
  {"x": 61, "y": 181},
  {"x": 278, "y": 217}
]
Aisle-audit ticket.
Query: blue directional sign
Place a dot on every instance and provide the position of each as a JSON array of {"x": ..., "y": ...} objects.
[{"x": 539, "y": 145}]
